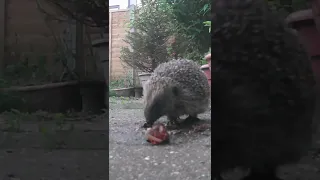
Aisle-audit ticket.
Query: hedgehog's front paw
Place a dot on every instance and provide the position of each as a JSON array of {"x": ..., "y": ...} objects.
[
  {"x": 173, "y": 125},
  {"x": 173, "y": 122},
  {"x": 147, "y": 125}
]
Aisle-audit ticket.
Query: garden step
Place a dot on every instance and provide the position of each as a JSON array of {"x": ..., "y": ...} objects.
[
  {"x": 74, "y": 139},
  {"x": 48, "y": 126}
]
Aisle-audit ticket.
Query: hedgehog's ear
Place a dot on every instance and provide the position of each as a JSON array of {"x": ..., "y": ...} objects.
[{"x": 175, "y": 90}]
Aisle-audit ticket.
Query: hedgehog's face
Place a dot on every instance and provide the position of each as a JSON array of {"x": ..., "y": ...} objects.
[{"x": 159, "y": 103}]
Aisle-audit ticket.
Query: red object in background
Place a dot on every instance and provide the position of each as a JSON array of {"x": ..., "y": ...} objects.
[
  {"x": 304, "y": 22},
  {"x": 206, "y": 69},
  {"x": 316, "y": 16},
  {"x": 208, "y": 58},
  {"x": 307, "y": 23},
  {"x": 157, "y": 134}
]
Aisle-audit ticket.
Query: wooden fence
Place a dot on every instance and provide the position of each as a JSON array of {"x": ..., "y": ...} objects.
[{"x": 26, "y": 34}]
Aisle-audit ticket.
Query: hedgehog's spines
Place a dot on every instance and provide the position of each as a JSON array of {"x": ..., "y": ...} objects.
[{"x": 177, "y": 87}]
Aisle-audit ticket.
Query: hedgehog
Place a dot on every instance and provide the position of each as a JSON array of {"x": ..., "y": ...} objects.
[
  {"x": 176, "y": 88},
  {"x": 263, "y": 92}
]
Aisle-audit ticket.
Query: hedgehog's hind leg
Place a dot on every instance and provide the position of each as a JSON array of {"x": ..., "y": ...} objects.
[{"x": 191, "y": 119}]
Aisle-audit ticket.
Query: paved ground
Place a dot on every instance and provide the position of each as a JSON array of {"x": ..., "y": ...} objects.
[
  {"x": 34, "y": 154},
  {"x": 37, "y": 164},
  {"x": 81, "y": 154},
  {"x": 187, "y": 157}
]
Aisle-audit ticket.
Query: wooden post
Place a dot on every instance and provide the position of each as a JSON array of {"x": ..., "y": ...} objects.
[
  {"x": 3, "y": 27},
  {"x": 80, "y": 63}
]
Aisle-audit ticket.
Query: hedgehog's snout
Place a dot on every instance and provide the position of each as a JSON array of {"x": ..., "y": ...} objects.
[
  {"x": 159, "y": 104},
  {"x": 153, "y": 112}
]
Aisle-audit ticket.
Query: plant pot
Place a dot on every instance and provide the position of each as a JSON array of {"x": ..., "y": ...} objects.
[
  {"x": 304, "y": 23},
  {"x": 143, "y": 77},
  {"x": 138, "y": 92},
  {"x": 206, "y": 69},
  {"x": 101, "y": 49},
  {"x": 53, "y": 97},
  {"x": 308, "y": 35},
  {"x": 93, "y": 96},
  {"x": 124, "y": 92}
]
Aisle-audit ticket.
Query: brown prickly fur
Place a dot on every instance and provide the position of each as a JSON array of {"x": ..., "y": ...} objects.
[
  {"x": 263, "y": 90},
  {"x": 176, "y": 88}
]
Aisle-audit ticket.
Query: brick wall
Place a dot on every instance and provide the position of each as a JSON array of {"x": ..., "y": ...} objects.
[{"x": 117, "y": 31}]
